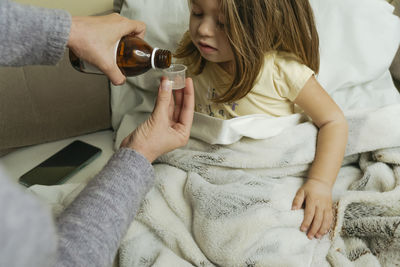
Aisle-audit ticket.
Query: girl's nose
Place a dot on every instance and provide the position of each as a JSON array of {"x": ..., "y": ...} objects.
[{"x": 206, "y": 28}]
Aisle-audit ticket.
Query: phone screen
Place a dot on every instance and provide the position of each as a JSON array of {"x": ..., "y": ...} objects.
[{"x": 61, "y": 165}]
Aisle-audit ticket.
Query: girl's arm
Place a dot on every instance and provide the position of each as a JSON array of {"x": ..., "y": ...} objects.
[{"x": 331, "y": 145}]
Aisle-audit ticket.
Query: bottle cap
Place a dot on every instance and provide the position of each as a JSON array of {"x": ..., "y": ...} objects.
[{"x": 153, "y": 54}]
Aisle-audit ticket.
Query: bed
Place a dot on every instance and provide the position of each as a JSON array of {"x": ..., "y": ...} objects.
[{"x": 215, "y": 203}]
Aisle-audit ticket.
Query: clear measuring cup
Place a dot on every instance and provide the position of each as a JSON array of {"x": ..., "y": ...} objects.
[{"x": 176, "y": 74}]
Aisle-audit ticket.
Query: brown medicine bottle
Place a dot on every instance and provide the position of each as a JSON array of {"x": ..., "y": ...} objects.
[{"x": 133, "y": 55}]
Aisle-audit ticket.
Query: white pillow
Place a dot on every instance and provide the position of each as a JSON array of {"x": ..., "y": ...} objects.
[{"x": 358, "y": 40}]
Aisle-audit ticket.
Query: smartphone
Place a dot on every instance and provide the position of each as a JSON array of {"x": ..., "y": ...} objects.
[{"x": 62, "y": 165}]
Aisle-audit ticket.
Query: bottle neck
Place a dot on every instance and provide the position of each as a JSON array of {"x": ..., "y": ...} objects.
[{"x": 160, "y": 58}]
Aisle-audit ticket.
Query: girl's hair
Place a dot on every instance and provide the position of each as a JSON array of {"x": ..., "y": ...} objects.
[{"x": 254, "y": 28}]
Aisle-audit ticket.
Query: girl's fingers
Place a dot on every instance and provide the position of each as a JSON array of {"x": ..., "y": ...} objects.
[
  {"x": 316, "y": 224},
  {"x": 328, "y": 217},
  {"x": 298, "y": 200},
  {"x": 308, "y": 216}
]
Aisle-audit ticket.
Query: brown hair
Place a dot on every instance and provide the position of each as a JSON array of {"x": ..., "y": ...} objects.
[{"x": 254, "y": 28}]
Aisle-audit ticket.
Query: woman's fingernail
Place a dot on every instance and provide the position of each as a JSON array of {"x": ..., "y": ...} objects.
[{"x": 166, "y": 85}]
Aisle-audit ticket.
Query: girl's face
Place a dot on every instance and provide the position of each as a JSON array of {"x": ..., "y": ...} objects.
[{"x": 207, "y": 31}]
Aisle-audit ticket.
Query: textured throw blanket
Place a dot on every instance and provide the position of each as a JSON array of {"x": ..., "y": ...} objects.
[{"x": 230, "y": 205}]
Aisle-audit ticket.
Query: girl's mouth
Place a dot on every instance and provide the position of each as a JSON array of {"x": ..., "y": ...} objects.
[{"x": 206, "y": 48}]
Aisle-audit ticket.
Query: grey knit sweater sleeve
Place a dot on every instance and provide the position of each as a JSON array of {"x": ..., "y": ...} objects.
[
  {"x": 91, "y": 228},
  {"x": 32, "y": 35},
  {"x": 88, "y": 232}
]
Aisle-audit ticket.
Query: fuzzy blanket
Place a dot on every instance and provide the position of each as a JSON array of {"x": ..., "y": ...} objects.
[{"x": 230, "y": 205}]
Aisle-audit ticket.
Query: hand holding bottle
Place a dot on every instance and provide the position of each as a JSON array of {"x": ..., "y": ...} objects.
[
  {"x": 93, "y": 39},
  {"x": 168, "y": 126}
]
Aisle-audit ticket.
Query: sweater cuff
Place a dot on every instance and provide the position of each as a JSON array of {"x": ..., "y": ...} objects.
[
  {"x": 125, "y": 153},
  {"x": 58, "y": 35},
  {"x": 131, "y": 160}
]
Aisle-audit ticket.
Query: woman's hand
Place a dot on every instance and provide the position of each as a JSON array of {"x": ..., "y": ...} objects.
[
  {"x": 94, "y": 38},
  {"x": 317, "y": 198},
  {"x": 168, "y": 126}
]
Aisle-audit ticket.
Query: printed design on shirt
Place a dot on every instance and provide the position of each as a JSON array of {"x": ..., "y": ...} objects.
[{"x": 216, "y": 109}]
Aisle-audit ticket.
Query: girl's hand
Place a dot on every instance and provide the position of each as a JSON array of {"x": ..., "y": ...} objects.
[{"x": 317, "y": 198}]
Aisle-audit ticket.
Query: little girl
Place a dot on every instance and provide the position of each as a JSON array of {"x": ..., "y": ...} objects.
[{"x": 259, "y": 57}]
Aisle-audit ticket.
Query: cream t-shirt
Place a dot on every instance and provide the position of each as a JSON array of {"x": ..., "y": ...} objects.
[{"x": 278, "y": 84}]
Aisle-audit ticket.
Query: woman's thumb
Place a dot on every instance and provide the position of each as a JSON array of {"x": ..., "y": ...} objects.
[{"x": 164, "y": 96}]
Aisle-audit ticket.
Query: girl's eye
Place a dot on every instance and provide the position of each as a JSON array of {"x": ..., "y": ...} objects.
[
  {"x": 220, "y": 24},
  {"x": 196, "y": 13}
]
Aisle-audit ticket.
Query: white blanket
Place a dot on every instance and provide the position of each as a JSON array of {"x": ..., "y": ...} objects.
[{"x": 230, "y": 205}]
